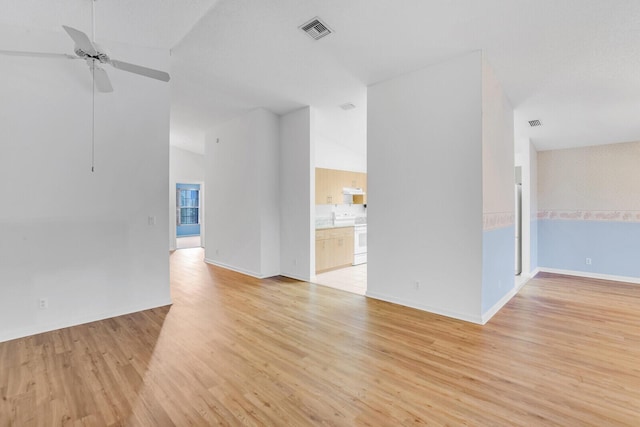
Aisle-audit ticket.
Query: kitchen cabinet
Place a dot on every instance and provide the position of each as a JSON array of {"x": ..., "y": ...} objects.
[
  {"x": 323, "y": 251},
  {"x": 328, "y": 186},
  {"x": 322, "y": 186},
  {"x": 334, "y": 248},
  {"x": 361, "y": 182},
  {"x": 336, "y": 184},
  {"x": 330, "y": 182}
]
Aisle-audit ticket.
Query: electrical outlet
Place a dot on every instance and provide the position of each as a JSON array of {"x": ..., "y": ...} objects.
[
  {"x": 416, "y": 285},
  {"x": 151, "y": 220},
  {"x": 588, "y": 261},
  {"x": 217, "y": 252},
  {"x": 295, "y": 262},
  {"x": 43, "y": 303}
]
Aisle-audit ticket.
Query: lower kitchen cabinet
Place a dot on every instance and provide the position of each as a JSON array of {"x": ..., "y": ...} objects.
[{"x": 334, "y": 248}]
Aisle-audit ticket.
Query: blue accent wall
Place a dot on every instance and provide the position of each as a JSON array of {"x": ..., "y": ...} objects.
[
  {"x": 614, "y": 247},
  {"x": 188, "y": 230},
  {"x": 498, "y": 265}
]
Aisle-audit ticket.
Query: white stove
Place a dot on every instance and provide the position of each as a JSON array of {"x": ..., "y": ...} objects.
[
  {"x": 360, "y": 244},
  {"x": 343, "y": 220}
]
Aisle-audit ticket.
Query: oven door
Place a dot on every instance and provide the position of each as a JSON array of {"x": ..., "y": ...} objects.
[{"x": 360, "y": 245}]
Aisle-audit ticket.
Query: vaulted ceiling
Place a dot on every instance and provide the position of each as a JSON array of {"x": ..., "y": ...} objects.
[{"x": 573, "y": 64}]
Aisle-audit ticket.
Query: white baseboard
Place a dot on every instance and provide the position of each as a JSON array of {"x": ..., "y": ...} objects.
[
  {"x": 501, "y": 303},
  {"x": 237, "y": 269},
  {"x": 524, "y": 278},
  {"x": 423, "y": 307},
  {"x": 297, "y": 277},
  {"x": 39, "y": 329},
  {"x": 589, "y": 275}
]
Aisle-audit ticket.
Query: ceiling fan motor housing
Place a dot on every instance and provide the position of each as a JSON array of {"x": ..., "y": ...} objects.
[{"x": 100, "y": 56}]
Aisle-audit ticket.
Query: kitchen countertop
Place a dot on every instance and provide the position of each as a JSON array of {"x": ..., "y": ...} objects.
[
  {"x": 327, "y": 226},
  {"x": 324, "y": 223}
]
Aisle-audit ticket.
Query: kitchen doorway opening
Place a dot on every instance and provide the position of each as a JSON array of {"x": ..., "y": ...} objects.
[
  {"x": 351, "y": 279},
  {"x": 341, "y": 230},
  {"x": 188, "y": 216}
]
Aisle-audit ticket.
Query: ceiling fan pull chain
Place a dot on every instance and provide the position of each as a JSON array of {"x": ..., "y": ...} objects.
[
  {"x": 93, "y": 89},
  {"x": 93, "y": 20}
]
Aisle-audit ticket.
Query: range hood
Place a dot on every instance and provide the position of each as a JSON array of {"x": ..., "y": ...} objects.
[{"x": 353, "y": 191}]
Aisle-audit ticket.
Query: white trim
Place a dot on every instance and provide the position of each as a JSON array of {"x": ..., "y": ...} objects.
[
  {"x": 534, "y": 272},
  {"x": 524, "y": 279},
  {"x": 238, "y": 269},
  {"x": 296, "y": 277},
  {"x": 38, "y": 329},
  {"x": 519, "y": 284},
  {"x": 501, "y": 303},
  {"x": 201, "y": 209},
  {"x": 626, "y": 279},
  {"x": 447, "y": 313}
]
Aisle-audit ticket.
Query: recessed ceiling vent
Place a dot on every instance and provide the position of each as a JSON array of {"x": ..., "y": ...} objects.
[
  {"x": 534, "y": 123},
  {"x": 347, "y": 106},
  {"x": 316, "y": 29}
]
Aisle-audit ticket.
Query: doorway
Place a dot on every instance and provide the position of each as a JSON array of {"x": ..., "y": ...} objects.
[
  {"x": 188, "y": 216},
  {"x": 341, "y": 230}
]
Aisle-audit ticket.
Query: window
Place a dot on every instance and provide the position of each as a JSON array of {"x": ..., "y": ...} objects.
[{"x": 189, "y": 207}]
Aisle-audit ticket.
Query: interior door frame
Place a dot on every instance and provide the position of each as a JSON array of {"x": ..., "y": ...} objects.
[{"x": 201, "y": 212}]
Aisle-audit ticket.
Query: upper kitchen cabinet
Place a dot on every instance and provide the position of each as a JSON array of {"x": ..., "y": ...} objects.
[
  {"x": 330, "y": 184},
  {"x": 322, "y": 186},
  {"x": 361, "y": 182}
]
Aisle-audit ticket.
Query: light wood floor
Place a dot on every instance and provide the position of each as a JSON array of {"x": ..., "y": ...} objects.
[{"x": 238, "y": 351}]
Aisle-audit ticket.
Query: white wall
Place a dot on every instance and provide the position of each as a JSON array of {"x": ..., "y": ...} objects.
[
  {"x": 268, "y": 151},
  {"x": 82, "y": 240},
  {"x": 498, "y": 183},
  {"x": 297, "y": 186},
  {"x": 497, "y": 146},
  {"x": 601, "y": 177},
  {"x": 184, "y": 167},
  {"x": 341, "y": 136},
  {"x": 331, "y": 155},
  {"x": 425, "y": 179},
  {"x": 242, "y": 192}
]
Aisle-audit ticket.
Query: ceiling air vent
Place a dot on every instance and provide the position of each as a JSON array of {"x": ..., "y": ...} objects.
[
  {"x": 347, "y": 106},
  {"x": 316, "y": 29},
  {"x": 534, "y": 123}
]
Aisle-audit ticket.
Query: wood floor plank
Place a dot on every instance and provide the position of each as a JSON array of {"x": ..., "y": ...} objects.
[{"x": 234, "y": 350}]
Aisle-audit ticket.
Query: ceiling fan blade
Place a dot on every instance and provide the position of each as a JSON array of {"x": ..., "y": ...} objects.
[
  {"x": 37, "y": 54},
  {"x": 143, "y": 71},
  {"x": 101, "y": 80},
  {"x": 81, "y": 39}
]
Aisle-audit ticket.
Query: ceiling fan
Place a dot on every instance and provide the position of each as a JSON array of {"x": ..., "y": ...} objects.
[{"x": 94, "y": 56}]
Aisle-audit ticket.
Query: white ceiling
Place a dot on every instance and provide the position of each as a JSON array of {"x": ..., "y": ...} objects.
[
  {"x": 144, "y": 23},
  {"x": 573, "y": 64}
]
